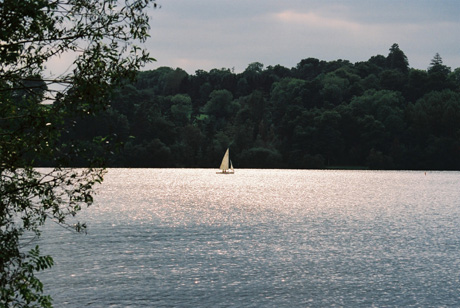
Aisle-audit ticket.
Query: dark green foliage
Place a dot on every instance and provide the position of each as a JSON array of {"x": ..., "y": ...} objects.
[
  {"x": 61, "y": 121},
  {"x": 378, "y": 114},
  {"x": 260, "y": 158},
  {"x": 397, "y": 60}
]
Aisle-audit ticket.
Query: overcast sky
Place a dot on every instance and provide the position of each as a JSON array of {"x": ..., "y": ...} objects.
[{"x": 207, "y": 34}]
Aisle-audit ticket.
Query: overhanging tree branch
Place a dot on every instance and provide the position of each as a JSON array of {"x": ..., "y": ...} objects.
[{"x": 34, "y": 114}]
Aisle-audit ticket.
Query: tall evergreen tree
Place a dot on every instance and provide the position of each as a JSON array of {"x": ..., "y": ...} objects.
[{"x": 396, "y": 59}]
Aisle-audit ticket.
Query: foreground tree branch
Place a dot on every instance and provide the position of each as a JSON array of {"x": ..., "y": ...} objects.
[{"x": 103, "y": 38}]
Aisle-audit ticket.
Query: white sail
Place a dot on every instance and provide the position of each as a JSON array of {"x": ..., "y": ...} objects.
[
  {"x": 226, "y": 166},
  {"x": 225, "y": 160}
]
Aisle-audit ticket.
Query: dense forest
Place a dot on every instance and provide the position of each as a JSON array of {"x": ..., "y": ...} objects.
[{"x": 377, "y": 114}]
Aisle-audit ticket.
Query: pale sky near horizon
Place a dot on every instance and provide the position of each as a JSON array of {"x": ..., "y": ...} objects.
[{"x": 207, "y": 34}]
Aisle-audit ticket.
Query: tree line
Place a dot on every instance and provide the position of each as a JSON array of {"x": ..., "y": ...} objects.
[{"x": 376, "y": 114}]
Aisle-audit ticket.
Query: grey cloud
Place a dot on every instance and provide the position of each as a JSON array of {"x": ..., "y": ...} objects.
[{"x": 205, "y": 34}]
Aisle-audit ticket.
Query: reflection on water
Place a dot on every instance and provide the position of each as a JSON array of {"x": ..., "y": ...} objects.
[{"x": 262, "y": 238}]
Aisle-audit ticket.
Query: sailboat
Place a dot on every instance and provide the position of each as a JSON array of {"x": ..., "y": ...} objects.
[{"x": 226, "y": 167}]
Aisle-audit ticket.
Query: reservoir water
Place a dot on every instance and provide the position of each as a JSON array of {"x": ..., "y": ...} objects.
[{"x": 262, "y": 238}]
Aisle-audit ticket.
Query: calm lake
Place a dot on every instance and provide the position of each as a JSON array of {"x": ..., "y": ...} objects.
[{"x": 262, "y": 238}]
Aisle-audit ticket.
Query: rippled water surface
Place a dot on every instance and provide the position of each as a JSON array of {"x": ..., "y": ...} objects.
[{"x": 262, "y": 238}]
